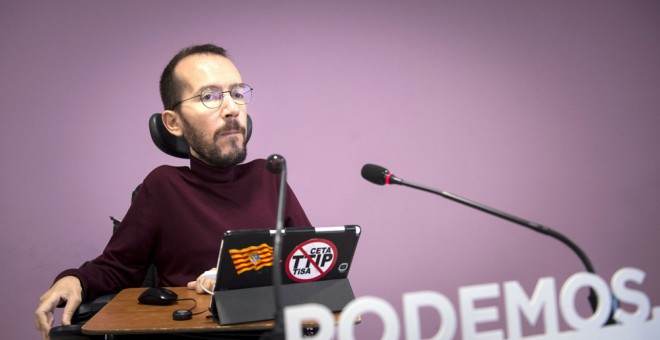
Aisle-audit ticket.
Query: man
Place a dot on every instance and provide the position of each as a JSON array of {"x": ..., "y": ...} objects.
[{"x": 179, "y": 215}]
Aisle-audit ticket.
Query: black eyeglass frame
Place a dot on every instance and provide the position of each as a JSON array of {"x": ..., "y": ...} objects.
[{"x": 222, "y": 96}]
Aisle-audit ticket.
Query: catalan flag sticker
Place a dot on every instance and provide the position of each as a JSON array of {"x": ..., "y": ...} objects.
[{"x": 252, "y": 258}]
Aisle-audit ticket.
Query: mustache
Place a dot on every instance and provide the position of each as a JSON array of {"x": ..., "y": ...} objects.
[{"x": 230, "y": 125}]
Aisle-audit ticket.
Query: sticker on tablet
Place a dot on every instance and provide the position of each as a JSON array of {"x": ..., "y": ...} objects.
[
  {"x": 252, "y": 258},
  {"x": 311, "y": 260}
]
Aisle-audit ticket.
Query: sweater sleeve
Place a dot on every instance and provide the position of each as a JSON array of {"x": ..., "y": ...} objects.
[{"x": 126, "y": 257}]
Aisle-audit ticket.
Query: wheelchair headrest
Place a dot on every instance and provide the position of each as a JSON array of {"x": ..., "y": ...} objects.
[{"x": 173, "y": 145}]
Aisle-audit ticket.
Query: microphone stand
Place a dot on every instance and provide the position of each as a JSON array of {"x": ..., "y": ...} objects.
[
  {"x": 593, "y": 299},
  {"x": 278, "y": 328},
  {"x": 277, "y": 269}
]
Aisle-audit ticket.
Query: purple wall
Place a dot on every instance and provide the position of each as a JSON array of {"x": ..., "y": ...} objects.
[{"x": 548, "y": 110}]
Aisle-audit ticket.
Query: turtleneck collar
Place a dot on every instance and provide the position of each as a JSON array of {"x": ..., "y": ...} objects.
[{"x": 212, "y": 173}]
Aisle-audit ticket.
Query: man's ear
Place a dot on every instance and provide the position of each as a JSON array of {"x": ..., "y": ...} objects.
[{"x": 172, "y": 122}]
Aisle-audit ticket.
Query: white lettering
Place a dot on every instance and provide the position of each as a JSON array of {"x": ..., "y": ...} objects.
[
  {"x": 314, "y": 312},
  {"x": 631, "y": 325},
  {"x": 631, "y": 296},
  {"x": 369, "y": 304},
  {"x": 471, "y": 316},
  {"x": 543, "y": 299},
  {"x": 411, "y": 304},
  {"x": 567, "y": 299}
]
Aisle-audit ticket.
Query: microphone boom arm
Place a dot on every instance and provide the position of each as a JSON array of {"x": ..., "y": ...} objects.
[
  {"x": 515, "y": 219},
  {"x": 378, "y": 175}
]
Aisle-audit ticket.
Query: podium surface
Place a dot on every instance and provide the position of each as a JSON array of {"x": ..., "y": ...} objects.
[{"x": 124, "y": 315}]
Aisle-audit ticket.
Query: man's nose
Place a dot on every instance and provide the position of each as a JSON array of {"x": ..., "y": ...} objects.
[{"x": 229, "y": 108}]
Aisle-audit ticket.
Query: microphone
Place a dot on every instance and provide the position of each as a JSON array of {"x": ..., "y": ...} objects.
[
  {"x": 376, "y": 174},
  {"x": 381, "y": 176},
  {"x": 277, "y": 165}
]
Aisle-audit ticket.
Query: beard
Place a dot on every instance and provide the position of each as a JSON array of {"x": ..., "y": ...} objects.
[{"x": 211, "y": 153}]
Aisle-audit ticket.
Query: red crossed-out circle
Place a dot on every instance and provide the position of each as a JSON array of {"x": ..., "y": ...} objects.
[{"x": 309, "y": 261}]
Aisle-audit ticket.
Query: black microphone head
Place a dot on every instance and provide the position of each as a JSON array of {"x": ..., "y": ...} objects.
[
  {"x": 275, "y": 163},
  {"x": 375, "y": 174}
]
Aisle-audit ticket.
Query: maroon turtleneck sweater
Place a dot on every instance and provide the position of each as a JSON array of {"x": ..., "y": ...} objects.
[{"x": 177, "y": 221}]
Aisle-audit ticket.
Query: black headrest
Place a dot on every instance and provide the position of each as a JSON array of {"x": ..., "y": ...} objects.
[{"x": 173, "y": 145}]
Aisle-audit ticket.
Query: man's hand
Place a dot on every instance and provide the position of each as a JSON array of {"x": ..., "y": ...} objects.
[
  {"x": 66, "y": 289},
  {"x": 204, "y": 282}
]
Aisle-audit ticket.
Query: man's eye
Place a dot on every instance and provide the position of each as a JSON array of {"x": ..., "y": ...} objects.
[
  {"x": 209, "y": 96},
  {"x": 238, "y": 95}
]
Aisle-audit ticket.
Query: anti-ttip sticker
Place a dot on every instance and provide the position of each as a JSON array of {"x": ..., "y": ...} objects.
[{"x": 311, "y": 260}]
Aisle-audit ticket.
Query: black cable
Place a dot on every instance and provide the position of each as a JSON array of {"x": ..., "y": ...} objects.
[{"x": 193, "y": 307}]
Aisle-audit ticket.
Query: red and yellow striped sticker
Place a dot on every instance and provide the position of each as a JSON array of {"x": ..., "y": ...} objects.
[{"x": 252, "y": 258}]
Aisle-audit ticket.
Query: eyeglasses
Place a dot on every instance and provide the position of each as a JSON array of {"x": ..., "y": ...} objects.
[{"x": 212, "y": 96}]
